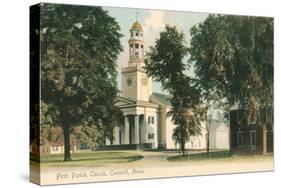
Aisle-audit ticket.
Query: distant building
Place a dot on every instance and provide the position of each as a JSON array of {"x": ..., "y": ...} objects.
[
  {"x": 58, "y": 148},
  {"x": 219, "y": 135},
  {"x": 249, "y": 136}
]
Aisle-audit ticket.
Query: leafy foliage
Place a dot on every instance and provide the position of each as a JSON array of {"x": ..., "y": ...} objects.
[
  {"x": 164, "y": 63},
  {"x": 80, "y": 45},
  {"x": 233, "y": 58}
]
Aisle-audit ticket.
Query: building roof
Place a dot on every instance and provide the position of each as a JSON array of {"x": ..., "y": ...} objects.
[
  {"x": 234, "y": 107},
  {"x": 136, "y": 26},
  {"x": 125, "y": 102},
  {"x": 160, "y": 98}
]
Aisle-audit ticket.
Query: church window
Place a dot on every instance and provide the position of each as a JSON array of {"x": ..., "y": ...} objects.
[
  {"x": 129, "y": 81},
  {"x": 137, "y": 46},
  {"x": 132, "y": 34},
  {"x": 150, "y": 135},
  {"x": 131, "y": 50},
  {"x": 137, "y": 34},
  {"x": 152, "y": 120}
]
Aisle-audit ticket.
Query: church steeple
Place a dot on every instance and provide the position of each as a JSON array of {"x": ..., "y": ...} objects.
[
  {"x": 136, "y": 45},
  {"x": 135, "y": 82}
]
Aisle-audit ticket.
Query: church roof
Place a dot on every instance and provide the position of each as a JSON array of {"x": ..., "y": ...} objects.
[
  {"x": 136, "y": 26},
  {"x": 125, "y": 102},
  {"x": 156, "y": 99},
  {"x": 160, "y": 98}
]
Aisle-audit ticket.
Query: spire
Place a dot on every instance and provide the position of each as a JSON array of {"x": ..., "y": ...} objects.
[
  {"x": 136, "y": 25},
  {"x": 137, "y": 13}
]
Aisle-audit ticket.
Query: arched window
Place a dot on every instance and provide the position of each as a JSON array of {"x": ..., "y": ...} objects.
[
  {"x": 131, "y": 50},
  {"x": 136, "y": 50}
]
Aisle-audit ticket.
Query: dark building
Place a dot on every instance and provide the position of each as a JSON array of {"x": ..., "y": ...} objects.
[{"x": 247, "y": 136}]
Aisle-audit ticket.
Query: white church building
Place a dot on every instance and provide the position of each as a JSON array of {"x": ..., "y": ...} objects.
[{"x": 146, "y": 124}]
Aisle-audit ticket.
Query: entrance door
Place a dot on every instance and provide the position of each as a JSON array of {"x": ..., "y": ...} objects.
[
  {"x": 141, "y": 128},
  {"x": 131, "y": 129},
  {"x": 120, "y": 135}
]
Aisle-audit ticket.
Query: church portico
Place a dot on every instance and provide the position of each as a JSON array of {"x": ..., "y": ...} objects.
[
  {"x": 139, "y": 126},
  {"x": 132, "y": 126}
]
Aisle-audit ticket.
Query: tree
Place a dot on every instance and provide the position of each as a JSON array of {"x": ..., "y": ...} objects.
[
  {"x": 190, "y": 126},
  {"x": 211, "y": 105},
  {"x": 164, "y": 63},
  {"x": 80, "y": 45},
  {"x": 235, "y": 55}
]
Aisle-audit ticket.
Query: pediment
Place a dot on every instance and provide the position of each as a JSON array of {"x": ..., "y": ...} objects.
[{"x": 122, "y": 101}]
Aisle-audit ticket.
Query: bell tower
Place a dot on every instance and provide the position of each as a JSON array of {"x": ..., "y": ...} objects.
[
  {"x": 135, "y": 82},
  {"x": 136, "y": 45}
]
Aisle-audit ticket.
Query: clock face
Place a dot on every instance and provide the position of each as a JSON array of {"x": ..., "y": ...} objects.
[
  {"x": 129, "y": 81},
  {"x": 144, "y": 81}
]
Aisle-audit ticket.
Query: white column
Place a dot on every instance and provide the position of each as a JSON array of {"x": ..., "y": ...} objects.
[
  {"x": 137, "y": 139},
  {"x": 156, "y": 130},
  {"x": 144, "y": 126},
  {"x": 126, "y": 130},
  {"x": 116, "y": 135}
]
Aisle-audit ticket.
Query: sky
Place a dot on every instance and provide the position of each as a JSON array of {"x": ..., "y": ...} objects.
[{"x": 153, "y": 22}]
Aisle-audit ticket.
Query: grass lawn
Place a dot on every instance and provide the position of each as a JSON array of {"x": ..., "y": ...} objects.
[
  {"x": 201, "y": 156},
  {"x": 96, "y": 158},
  {"x": 215, "y": 155}
]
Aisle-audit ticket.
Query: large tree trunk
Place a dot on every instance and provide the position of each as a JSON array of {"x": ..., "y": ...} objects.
[
  {"x": 208, "y": 132},
  {"x": 66, "y": 134},
  {"x": 183, "y": 148},
  {"x": 208, "y": 143},
  {"x": 264, "y": 140}
]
